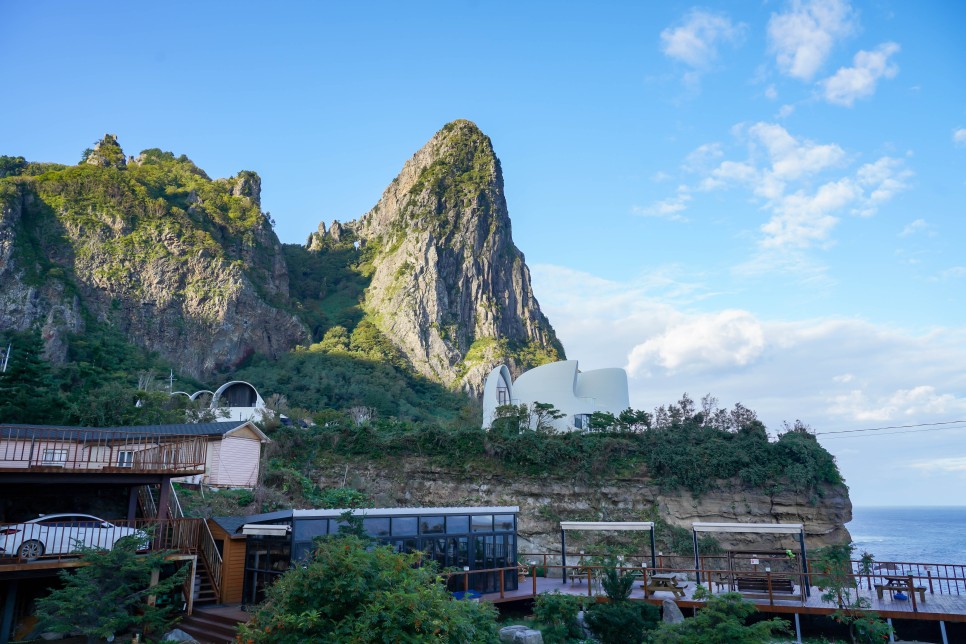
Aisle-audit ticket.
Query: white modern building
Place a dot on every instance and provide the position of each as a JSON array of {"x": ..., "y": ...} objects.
[
  {"x": 576, "y": 394},
  {"x": 238, "y": 398}
]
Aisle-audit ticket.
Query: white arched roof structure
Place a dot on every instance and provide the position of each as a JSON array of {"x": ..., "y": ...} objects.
[{"x": 561, "y": 384}]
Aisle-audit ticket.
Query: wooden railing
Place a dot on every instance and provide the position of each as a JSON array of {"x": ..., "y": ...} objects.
[
  {"x": 212, "y": 558},
  {"x": 71, "y": 449}
]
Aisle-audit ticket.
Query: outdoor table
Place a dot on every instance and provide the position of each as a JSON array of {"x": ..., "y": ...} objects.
[
  {"x": 897, "y": 583},
  {"x": 664, "y": 581}
]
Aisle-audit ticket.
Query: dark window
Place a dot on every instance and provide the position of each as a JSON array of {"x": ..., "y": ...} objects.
[
  {"x": 431, "y": 525},
  {"x": 308, "y": 529},
  {"x": 482, "y": 523},
  {"x": 457, "y": 525},
  {"x": 376, "y": 527},
  {"x": 504, "y": 522},
  {"x": 403, "y": 526}
]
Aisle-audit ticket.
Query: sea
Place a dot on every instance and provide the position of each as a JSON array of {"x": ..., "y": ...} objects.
[{"x": 915, "y": 534}]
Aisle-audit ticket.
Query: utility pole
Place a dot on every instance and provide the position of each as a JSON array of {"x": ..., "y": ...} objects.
[
  {"x": 171, "y": 382},
  {"x": 6, "y": 358}
]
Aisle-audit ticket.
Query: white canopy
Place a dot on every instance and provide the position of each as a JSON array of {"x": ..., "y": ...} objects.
[
  {"x": 607, "y": 525},
  {"x": 773, "y": 528},
  {"x": 268, "y": 530}
]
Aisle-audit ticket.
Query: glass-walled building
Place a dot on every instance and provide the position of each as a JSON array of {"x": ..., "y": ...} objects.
[{"x": 477, "y": 538}]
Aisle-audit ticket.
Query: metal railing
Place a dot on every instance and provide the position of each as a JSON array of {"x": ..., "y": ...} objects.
[
  {"x": 72, "y": 449},
  {"x": 937, "y": 578},
  {"x": 59, "y": 539}
]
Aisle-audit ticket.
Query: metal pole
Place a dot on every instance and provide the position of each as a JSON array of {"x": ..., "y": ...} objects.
[
  {"x": 942, "y": 629},
  {"x": 6, "y": 358},
  {"x": 563, "y": 553},
  {"x": 697, "y": 564},
  {"x": 892, "y": 633},
  {"x": 798, "y": 630},
  {"x": 808, "y": 585},
  {"x": 653, "y": 550}
]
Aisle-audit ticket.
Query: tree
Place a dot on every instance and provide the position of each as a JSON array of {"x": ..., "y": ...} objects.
[
  {"x": 720, "y": 621},
  {"x": 620, "y": 621},
  {"x": 833, "y": 567},
  {"x": 109, "y": 594},
  {"x": 347, "y": 593},
  {"x": 28, "y": 393}
]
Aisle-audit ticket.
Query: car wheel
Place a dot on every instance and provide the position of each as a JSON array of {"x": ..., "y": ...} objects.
[{"x": 30, "y": 550}]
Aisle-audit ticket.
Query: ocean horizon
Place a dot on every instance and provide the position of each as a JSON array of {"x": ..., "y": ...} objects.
[{"x": 930, "y": 534}]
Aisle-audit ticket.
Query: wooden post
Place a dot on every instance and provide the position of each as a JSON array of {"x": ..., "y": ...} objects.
[
  {"x": 589, "y": 573},
  {"x": 929, "y": 577},
  {"x": 771, "y": 596},
  {"x": 502, "y": 581},
  {"x": 912, "y": 593},
  {"x": 533, "y": 573}
]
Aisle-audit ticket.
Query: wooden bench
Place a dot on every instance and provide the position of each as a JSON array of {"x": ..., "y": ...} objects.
[
  {"x": 880, "y": 588},
  {"x": 779, "y": 585}
]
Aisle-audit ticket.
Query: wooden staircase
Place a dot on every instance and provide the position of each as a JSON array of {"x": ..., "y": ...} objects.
[
  {"x": 205, "y": 591},
  {"x": 214, "y": 624}
]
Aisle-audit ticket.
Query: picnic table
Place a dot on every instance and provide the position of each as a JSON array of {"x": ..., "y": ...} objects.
[
  {"x": 664, "y": 582},
  {"x": 899, "y": 583}
]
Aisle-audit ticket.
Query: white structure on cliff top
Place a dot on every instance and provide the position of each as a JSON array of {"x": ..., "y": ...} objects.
[
  {"x": 238, "y": 399},
  {"x": 577, "y": 395}
]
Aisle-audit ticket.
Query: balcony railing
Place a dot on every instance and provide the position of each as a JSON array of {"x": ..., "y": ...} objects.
[
  {"x": 80, "y": 449},
  {"x": 62, "y": 538}
]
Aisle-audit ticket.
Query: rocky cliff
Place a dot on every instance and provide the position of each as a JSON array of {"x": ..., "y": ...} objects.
[
  {"x": 178, "y": 263},
  {"x": 449, "y": 287},
  {"x": 545, "y": 501}
]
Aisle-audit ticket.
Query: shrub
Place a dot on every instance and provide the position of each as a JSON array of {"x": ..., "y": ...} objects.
[
  {"x": 558, "y": 614},
  {"x": 348, "y": 593},
  {"x": 622, "y": 622}
]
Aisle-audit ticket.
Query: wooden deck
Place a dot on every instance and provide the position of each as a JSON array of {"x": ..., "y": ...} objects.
[{"x": 947, "y": 607}]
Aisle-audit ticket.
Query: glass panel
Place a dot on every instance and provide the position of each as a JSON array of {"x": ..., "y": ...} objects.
[
  {"x": 431, "y": 525},
  {"x": 457, "y": 525},
  {"x": 482, "y": 523},
  {"x": 376, "y": 527},
  {"x": 403, "y": 526},
  {"x": 308, "y": 529},
  {"x": 504, "y": 522}
]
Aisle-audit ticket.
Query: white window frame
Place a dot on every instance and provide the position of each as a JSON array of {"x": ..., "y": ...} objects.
[
  {"x": 125, "y": 458},
  {"x": 55, "y": 456}
]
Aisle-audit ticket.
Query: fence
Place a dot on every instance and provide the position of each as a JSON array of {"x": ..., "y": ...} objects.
[{"x": 53, "y": 450}]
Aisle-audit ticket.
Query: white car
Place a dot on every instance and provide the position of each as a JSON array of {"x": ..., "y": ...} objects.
[{"x": 60, "y": 534}]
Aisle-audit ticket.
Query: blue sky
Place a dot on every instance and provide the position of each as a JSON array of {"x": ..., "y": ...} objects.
[{"x": 762, "y": 201}]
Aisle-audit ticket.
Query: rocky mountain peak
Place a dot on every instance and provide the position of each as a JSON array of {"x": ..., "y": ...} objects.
[
  {"x": 449, "y": 287},
  {"x": 107, "y": 153}
]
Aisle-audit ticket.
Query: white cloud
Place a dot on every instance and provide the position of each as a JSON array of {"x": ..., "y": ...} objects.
[
  {"x": 706, "y": 342},
  {"x": 696, "y": 40},
  {"x": 898, "y": 405},
  {"x": 669, "y": 208},
  {"x": 959, "y": 136},
  {"x": 802, "y": 183},
  {"x": 845, "y": 377},
  {"x": 803, "y": 37},
  {"x": 792, "y": 158},
  {"x": 956, "y": 272},
  {"x": 785, "y": 111},
  {"x": 660, "y": 177},
  {"x": 859, "y": 81},
  {"x": 703, "y": 157},
  {"x": 771, "y": 93},
  {"x": 917, "y": 226},
  {"x": 946, "y": 464}
]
